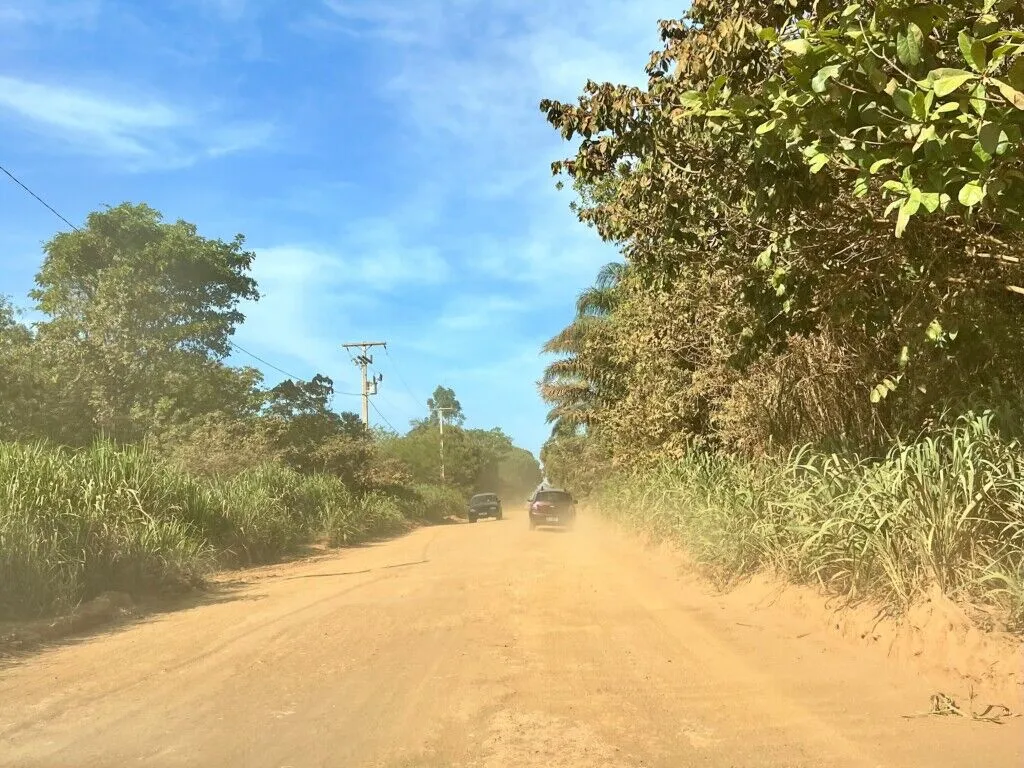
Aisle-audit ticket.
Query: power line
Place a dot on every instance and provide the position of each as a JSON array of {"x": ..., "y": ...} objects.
[
  {"x": 260, "y": 359},
  {"x": 60, "y": 216},
  {"x": 280, "y": 370},
  {"x": 45, "y": 204},
  {"x": 391, "y": 405},
  {"x": 375, "y": 408},
  {"x": 398, "y": 373}
]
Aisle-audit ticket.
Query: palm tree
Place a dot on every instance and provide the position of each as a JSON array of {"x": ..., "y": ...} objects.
[{"x": 583, "y": 377}]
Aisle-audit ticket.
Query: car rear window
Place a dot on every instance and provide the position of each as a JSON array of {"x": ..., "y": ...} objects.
[
  {"x": 553, "y": 496},
  {"x": 483, "y": 497}
]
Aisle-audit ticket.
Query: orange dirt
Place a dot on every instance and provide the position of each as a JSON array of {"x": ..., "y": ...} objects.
[{"x": 481, "y": 645}]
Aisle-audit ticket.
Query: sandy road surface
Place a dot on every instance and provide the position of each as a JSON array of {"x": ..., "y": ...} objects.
[{"x": 474, "y": 645}]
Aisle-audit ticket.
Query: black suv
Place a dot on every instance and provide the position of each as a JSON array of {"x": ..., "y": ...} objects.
[
  {"x": 552, "y": 506},
  {"x": 484, "y": 505}
]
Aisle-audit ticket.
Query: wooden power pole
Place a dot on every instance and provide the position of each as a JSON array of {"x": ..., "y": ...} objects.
[{"x": 364, "y": 360}]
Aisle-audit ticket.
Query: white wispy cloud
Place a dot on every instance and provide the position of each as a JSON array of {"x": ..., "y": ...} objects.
[
  {"x": 143, "y": 132},
  {"x": 50, "y": 13},
  {"x": 309, "y": 295},
  {"x": 470, "y": 312},
  {"x": 468, "y": 77}
]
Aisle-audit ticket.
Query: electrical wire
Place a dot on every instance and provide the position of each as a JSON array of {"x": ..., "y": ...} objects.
[
  {"x": 401, "y": 378},
  {"x": 375, "y": 408},
  {"x": 281, "y": 370},
  {"x": 45, "y": 204},
  {"x": 60, "y": 216}
]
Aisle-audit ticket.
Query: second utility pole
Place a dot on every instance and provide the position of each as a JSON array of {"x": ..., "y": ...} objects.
[
  {"x": 440, "y": 425},
  {"x": 363, "y": 361}
]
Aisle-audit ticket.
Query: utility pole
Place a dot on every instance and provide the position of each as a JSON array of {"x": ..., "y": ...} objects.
[
  {"x": 363, "y": 361},
  {"x": 440, "y": 425}
]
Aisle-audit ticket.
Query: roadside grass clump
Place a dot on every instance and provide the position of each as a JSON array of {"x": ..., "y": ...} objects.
[
  {"x": 436, "y": 503},
  {"x": 943, "y": 512},
  {"x": 381, "y": 514},
  {"x": 76, "y": 523}
]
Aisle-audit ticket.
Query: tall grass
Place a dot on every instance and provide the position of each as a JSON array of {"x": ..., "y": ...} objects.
[
  {"x": 946, "y": 512},
  {"x": 76, "y": 523}
]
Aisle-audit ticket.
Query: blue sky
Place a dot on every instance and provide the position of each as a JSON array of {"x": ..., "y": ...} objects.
[{"x": 385, "y": 159}]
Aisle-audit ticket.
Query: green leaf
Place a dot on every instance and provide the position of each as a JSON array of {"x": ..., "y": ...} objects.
[
  {"x": 931, "y": 201},
  {"x": 999, "y": 54},
  {"x": 766, "y": 127},
  {"x": 904, "y": 356},
  {"x": 934, "y": 331},
  {"x": 768, "y": 34},
  {"x": 902, "y": 99},
  {"x": 1016, "y": 73},
  {"x": 921, "y": 104},
  {"x": 692, "y": 99},
  {"x": 818, "y": 162},
  {"x": 908, "y": 209},
  {"x": 971, "y": 194},
  {"x": 894, "y": 186},
  {"x": 974, "y": 51},
  {"x": 798, "y": 47},
  {"x": 990, "y": 137},
  {"x": 820, "y": 82},
  {"x": 850, "y": 10},
  {"x": 927, "y": 134},
  {"x": 978, "y": 99},
  {"x": 950, "y": 80},
  {"x": 875, "y": 75},
  {"x": 875, "y": 395},
  {"x": 880, "y": 164},
  {"x": 985, "y": 25},
  {"x": 909, "y": 45},
  {"x": 1011, "y": 94}
]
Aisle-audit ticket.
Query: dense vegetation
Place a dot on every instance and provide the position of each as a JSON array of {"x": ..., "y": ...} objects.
[
  {"x": 134, "y": 457},
  {"x": 810, "y": 356}
]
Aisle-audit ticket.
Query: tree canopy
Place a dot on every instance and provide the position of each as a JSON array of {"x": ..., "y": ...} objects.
[
  {"x": 475, "y": 459},
  {"x": 138, "y": 316},
  {"x": 443, "y": 401},
  {"x": 819, "y": 207}
]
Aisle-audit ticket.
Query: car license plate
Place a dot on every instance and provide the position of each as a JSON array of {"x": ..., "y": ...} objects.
[{"x": 552, "y": 519}]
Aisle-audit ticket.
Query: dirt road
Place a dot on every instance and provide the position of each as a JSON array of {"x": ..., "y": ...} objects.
[{"x": 475, "y": 645}]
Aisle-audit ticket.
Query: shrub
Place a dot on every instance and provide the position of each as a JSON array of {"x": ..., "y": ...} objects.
[{"x": 945, "y": 511}]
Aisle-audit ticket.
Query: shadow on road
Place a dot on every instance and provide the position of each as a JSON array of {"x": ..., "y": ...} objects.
[
  {"x": 353, "y": 573},
  {"x": 22, "y": 640}
]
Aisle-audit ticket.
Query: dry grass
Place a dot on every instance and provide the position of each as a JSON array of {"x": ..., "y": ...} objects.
[
  {"x": 74, "y": 524},
  {"x": 946, "y": 512}
]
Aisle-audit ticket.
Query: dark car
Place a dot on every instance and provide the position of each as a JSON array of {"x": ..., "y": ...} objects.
[
  {"x": 484, "y": 505},
  {"x": 552, "y": 506}
]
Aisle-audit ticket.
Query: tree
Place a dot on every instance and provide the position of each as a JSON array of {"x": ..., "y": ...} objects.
[
  {"x": 475, "y": 459},
  {"x": 20, "y": 377},
  {"x": 444, "y": 397},
  {"x": 819, "y": 205},
  {"x": 139, "y": 313},
  {"x": 311, "y": 436},
  {"x": 518, "y": 473},
  {"x": 583, "y": 377}
]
